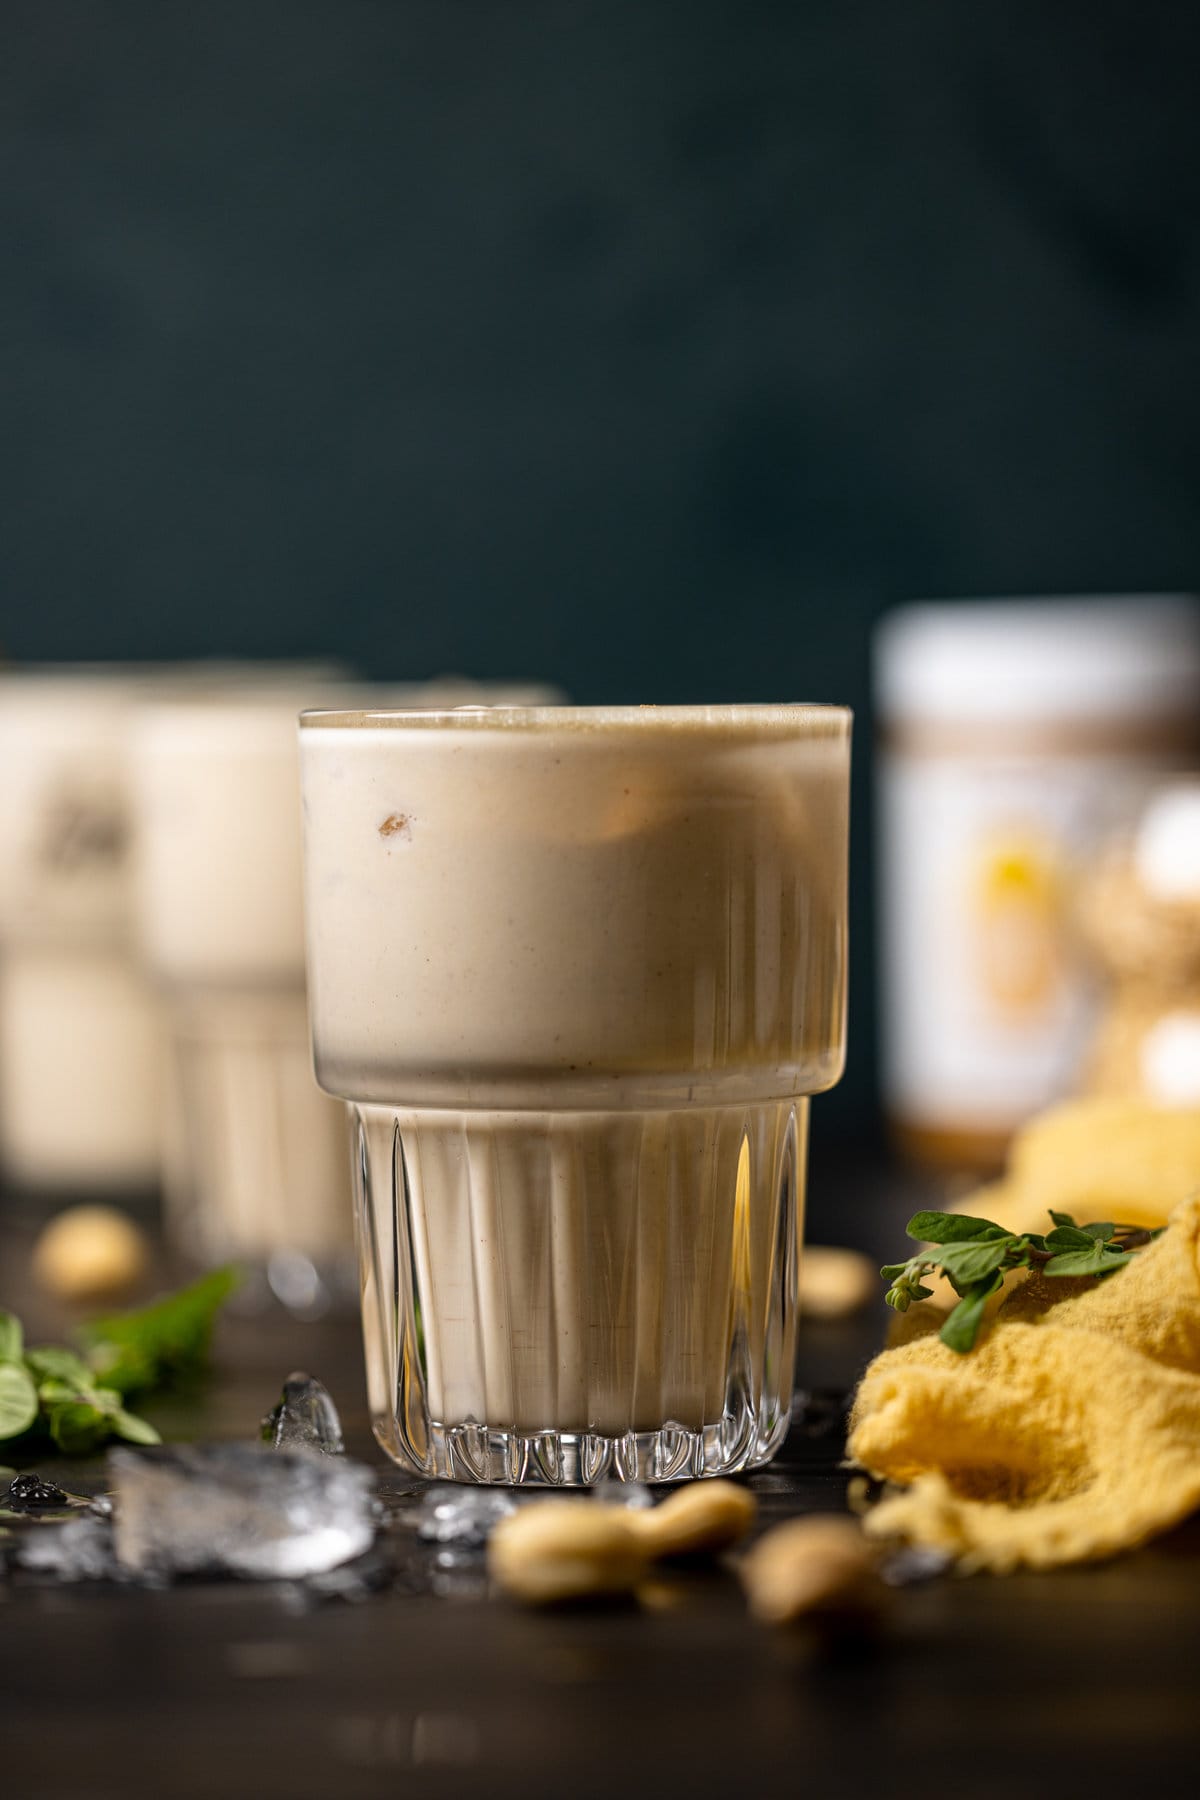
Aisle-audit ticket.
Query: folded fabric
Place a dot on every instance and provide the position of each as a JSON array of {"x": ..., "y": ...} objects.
[
  {"x": 1070, "y": 1432},
  {"x": 1097, "y": 1159}
]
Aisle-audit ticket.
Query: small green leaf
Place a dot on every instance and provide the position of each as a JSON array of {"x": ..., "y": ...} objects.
[
  {"x": 969, "y": 1262},
  {"x": 164, "y": 1341},
  {"x": 18, "y": 1400},
  {"x": 63, "y": 1394},
  {"x": 77, "y": 1428},
  {"x": 12, "y": 1338},
  {"x": 136, "y": 1431},
  {"x": 1100, "y": 1231},
  {"x": 1068, "y": 1237},
  {"x": 53, "y": 1362},
  {"x": 962, "y": 1326},
  {"x": 1099, "y": 1260},
  {"x": 893, "y": 1271},
  {"x": 1061, "y": 1218},
  {"x": 951, "y": 1228}
]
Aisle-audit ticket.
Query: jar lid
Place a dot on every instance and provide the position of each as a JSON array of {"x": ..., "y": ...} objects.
[{"x": 1102, "y": 660}]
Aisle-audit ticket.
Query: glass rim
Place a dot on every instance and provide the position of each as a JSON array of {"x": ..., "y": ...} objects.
[{"x": 784, "y": 718}]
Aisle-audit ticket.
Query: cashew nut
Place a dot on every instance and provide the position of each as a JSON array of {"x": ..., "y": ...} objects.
[
  {"x": 90, "y": 1253},
  {"x": 706, "y": 1517},
  {"x": 821, "y": 1566},
  {"x": 554, "y": 1550}
]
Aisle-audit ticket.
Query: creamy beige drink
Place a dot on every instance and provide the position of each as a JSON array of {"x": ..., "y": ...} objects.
[
  {"x": 255, "y": 1162},
  {"x": 578, "y": 971},
  {"x": 80, "y": 1040}
]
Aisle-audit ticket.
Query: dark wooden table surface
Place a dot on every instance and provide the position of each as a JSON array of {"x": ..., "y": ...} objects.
[{"x": 1074, "y": 1684}]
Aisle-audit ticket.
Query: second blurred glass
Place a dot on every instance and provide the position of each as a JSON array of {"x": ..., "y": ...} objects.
[{"x": 255, "y": 1162}]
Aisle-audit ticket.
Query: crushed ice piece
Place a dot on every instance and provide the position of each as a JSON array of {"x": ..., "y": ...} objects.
[
  {"x": 458, "y": 1573},
  {"x": 304, "y": 1419},
  {"x": 239, "y": 1509},
  {"x": 80, "y": 1550},
  {"x": 633, "y": 1494},
  {"x": 351, "y": 1582},
  {"x": 29, "y": 1493},
  {"x": 916, "y": 1563},
  {"x": 450, "y": 1514}
]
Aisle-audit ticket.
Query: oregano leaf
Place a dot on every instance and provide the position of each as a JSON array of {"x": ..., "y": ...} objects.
[
  {"x": 1096, "y": 1261},
  {"x": 12, "y": 1338},
  {"x": 53, "y": 1362},
  {"x": 1068, "y": 1237},
  {"x": 962, "y": 1326},
  {"x": 968, "y": 1262},
  {"x": 18, "y": 1400},
  {"x": 951, "y": 1228},
  {"x": 134, "y": 1430},
  {"x": 78, "y": 1428}
]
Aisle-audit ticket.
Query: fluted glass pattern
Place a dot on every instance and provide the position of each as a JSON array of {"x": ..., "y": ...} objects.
[{"x": 551, "y": 1297}]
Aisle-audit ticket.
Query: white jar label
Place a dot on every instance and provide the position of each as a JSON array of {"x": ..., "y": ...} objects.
[{"x": 988, "y": 1004}]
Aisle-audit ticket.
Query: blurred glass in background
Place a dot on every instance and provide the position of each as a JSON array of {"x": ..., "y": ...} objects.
[
  {"x": 254, "y": 1155},
  {"x": 80, "y": 1040},
  {"x": 80, "y": 1049}
]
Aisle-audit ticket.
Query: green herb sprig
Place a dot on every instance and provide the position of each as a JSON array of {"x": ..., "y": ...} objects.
[
  {"x": 78, "y": 1400},
  {"x": 975, "y": 1255},
  {"x": 163, "y": 1343}
]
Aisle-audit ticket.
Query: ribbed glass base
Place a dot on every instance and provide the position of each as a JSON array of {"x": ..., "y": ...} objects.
[
  {"x": 550, "y": 1298},
  {"x": 255, "y": 1159}
]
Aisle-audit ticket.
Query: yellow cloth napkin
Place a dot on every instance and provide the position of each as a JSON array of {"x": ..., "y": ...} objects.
[
  {"x": 1071, "y": 1431},
  {"x": 1097, "y": 1159}
]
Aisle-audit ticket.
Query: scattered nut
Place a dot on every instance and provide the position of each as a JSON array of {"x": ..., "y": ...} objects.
[
  {"x": 835, "y": 1283},
  {"x": 814, "y": 1567},
  {"x": 705, "y": 1517},
  {"x": 553, "y": 1550},
  {"x": 90, "y": 1253}
]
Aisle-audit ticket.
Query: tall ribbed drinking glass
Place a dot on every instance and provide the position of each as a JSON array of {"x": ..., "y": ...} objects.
[{"x": 577, "y": 973}]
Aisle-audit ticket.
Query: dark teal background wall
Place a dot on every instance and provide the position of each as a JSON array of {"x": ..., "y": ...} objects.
[{"x": 649, "y": 347}]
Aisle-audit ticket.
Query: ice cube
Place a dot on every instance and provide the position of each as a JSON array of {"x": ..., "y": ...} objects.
[
  {"x": 914, "y": 1563},
  {"x": 239, "y": 1509},
  {"x": 450, "y": 1514},
  {"x": 305, "y": 1418},
  {"x": 459, "y": 1573},
  {"x": 80, "y": 1550}
]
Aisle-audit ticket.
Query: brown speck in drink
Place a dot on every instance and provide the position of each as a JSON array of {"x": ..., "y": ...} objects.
[{"x": 396, "y": 825}]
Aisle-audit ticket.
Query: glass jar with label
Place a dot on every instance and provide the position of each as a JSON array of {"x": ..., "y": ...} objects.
[{"x": 1015, "y": 737}]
